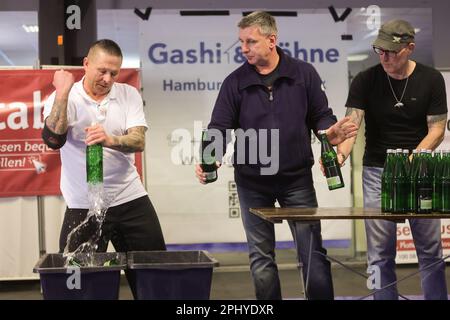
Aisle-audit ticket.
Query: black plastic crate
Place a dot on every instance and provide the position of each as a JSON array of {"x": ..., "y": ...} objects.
[
  {"x": 97, "y": 282},
  {"x": 172, "y": 275}
]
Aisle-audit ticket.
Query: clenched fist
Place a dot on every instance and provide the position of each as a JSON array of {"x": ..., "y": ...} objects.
[{"x": 63, "y": 82}]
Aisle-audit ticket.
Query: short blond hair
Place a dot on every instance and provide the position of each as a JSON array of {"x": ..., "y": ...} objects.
[{"x": 266, "y": 23}]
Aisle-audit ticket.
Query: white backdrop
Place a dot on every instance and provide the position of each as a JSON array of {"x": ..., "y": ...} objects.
[
  {"x": 19, "y": 239},
  {"x": 184, "y": 60}
]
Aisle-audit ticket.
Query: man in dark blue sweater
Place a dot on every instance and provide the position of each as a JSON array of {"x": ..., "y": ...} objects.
[{"x": 273, "y": 102}]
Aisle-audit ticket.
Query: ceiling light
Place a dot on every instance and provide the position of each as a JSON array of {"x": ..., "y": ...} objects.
[{"x": 30, "y": 28}]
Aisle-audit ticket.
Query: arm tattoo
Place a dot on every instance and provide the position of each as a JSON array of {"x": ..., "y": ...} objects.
[
  {"x": 57, "y": 120},
  {"x": 436, "y": 131},
  {"x": 133, "y": 141},
  {"x": 437, "y": 120},
  {"x": 355, "y": 114}
]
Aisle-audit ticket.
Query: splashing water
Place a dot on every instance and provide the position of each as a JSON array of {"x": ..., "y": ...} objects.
[{"x": 82, "y": 254}]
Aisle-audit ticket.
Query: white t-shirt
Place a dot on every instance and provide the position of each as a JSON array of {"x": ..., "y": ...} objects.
[{"x": 120, "y": 110}]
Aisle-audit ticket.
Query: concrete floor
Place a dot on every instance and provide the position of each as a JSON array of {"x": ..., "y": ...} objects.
[{"x": 232, "y": 280}]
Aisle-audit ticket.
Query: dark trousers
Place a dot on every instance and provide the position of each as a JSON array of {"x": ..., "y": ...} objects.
[
  {"x": 131, "y": 226},
  {"x": 261, "y": 243}
]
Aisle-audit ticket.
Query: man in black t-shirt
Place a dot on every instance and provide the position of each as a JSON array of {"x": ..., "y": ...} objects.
[{"x": 404, "y": 106}]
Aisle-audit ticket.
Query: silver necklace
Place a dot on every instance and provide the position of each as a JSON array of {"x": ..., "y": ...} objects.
[{"x": 399, "y": 103}]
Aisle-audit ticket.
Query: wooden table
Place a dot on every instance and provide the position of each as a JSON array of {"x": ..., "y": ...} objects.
[{"x": 277, "y": 215}]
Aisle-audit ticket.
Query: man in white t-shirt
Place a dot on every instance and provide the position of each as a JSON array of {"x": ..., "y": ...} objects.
[{"x": 98, "y": 110}]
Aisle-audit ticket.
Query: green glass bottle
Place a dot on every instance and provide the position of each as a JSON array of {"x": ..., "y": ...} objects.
[
  {"x": 430, "y": 162},
  {"x": 73, "y": 262},
  {"x": 406, "y": 158},
  {"x": 408, "y": 166},
  {"x": 437, "y": 182},
  {"x": 445, "y": 182},
  {"x": 330, "y": 163},
  {"x": 207, "y": 158},
  {"x": 111, "y": 262},
  {"x": 94, "y": 163},
  {"x": 412, "y": 181},
  {"x": 400, "y": 183},
  {"x": 424, "y": 185},
  {"x": 386, "y": 182}
]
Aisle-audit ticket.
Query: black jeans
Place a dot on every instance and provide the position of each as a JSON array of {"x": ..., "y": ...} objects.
[
  {"x": 261, "y": 243},
  {"x": 131, "y": 226}
]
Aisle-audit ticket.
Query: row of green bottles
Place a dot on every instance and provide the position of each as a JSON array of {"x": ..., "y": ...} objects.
[{"x": 421, "y": 185}]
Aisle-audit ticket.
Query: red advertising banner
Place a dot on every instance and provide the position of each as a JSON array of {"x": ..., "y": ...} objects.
[
  {"x": 406, "y": 251},
  {"x": 27, "y": 166}
]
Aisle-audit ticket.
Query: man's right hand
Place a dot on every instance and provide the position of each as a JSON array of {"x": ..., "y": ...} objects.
[
  {"x": 63, "y": 82},
  {"x": 201, "y": 176},
  {"x": 341, "y": 160}
]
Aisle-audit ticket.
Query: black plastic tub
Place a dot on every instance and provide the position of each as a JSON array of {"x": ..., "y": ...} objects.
[
  {"x": 172, "y": 275},
  {"x": 96, "y": 282}
]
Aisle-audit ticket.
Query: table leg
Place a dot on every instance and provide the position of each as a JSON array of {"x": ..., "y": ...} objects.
[{"x": 309, "y": 263}]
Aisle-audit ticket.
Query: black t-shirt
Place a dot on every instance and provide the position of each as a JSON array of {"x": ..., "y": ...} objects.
[
  {"x": 389, "y": 127},
  {"x": 269, "y": 79}
]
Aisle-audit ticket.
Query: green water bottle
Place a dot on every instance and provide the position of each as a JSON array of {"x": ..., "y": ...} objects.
[
  {"x": 437, "y": 182},
  {"x": 386, "y": 182},
  {"x": 207, "y": 158},
  {"x": 111, "y": 262},
  {"x": 400, "y": 183},
  {"x": 94, "y": 163},
  {"x": 424, "y": 185},
  {"x": 73, "y": 262},
  {"x": 445, "y": 182},
  {"x": 412, "y": 181},
  {"x": 330, "y": 163}
]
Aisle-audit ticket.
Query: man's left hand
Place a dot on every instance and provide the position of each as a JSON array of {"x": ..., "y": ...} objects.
[{"x": 342, "y": 130}]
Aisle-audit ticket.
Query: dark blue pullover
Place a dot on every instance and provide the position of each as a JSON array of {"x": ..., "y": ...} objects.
[{"x": 296, "y": 105}]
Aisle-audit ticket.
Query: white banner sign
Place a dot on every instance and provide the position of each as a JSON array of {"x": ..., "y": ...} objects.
[{"x": 184, "y": 61}]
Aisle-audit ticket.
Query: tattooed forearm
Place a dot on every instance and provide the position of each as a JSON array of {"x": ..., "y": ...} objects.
[
  {"x": 436, "y": 132},
  {"x": 133, "y": 141},
  {"x": 355, "y": 114},
  {"x": 439, "y": 119},
  {"x": 57, "y": 120}
]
